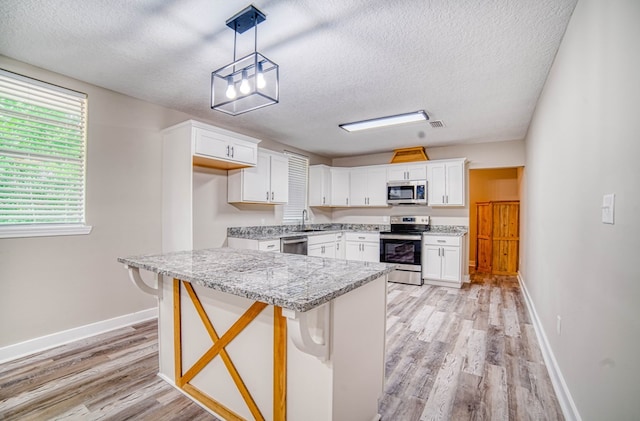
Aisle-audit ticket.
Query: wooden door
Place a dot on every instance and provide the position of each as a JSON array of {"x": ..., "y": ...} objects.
[
  {"x": 506, "y": 224},
  {"x": 483, "y": 238}
]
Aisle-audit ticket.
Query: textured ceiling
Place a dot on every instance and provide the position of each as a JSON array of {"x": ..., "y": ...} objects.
[{"x": 478, "y": 66}]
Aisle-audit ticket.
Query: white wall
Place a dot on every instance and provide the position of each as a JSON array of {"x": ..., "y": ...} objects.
[{"x": 584, "y": 142}]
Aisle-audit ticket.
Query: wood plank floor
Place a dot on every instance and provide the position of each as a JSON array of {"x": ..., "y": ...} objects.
[
  {"x": 451, "y": 355},
  {"x": 468, "y": 354}
]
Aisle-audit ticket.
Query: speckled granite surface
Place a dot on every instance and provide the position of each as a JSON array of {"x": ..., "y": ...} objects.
[
  {"x": 452, "y": 230},
  {"x": 271, "y": 232},
  {"x": 287, "y": 280}
]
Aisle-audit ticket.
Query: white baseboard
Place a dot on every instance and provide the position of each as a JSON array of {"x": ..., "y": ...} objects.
[
  {"x": 567, "y": 404},
  {"x": 21, "y": 349}
]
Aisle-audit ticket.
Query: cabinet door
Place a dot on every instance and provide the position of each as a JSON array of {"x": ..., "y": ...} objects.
[
  {"x": 210, "y": 144},
  {"x": 315, "y": 250},
  {"x": 242, "y": 152},
  {"x": 436, "y": 184},
  {"x": 371, "y": 252},
  {"x": 450, "y": 264},
  {"x": 279, "y": 192},
  {"x": 431, "y": 262},
  {"x": 358, "y": 187},
  {"x": 455, "y": 183},
  {"x": 255, "y": 181},
  {"x": 319, "y": 185},
  {"x": 417, "y": 172},
  {"x": 339, "y": 187},
  {"x": 377, "y": 186},
  {"x": 329, "y": 250},
  {"x": 353, "y": 250},
  {"x": 340, "y": 247},
  {"x": 397, "y": 173}
]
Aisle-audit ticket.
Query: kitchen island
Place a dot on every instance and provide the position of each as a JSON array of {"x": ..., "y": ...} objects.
[{"x": 260, "y": 335}]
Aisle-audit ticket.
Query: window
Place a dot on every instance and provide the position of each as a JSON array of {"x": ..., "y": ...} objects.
[
  {"x": 42, "y": 158},
  {"x": 298, "y": 176}
]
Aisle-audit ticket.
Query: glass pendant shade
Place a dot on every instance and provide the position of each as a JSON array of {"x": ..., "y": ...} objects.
[
  {"x": 250, "y": 82},
  {"x": 261, "y": 88}
]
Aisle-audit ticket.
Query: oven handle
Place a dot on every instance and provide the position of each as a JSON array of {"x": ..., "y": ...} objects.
[{"x": 400, "y": 237}]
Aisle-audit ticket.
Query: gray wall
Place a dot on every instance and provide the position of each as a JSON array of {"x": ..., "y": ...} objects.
[
  {"x": 584, "y": 142},
  {"x": 51, "y": 284}
]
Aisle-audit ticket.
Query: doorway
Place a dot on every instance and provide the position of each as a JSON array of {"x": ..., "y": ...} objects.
[{"x": 487, "y": 185}]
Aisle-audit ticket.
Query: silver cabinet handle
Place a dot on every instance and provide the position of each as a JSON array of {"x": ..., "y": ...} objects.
[
  {"x": 271, "y": 195},
  {"x": 347, "y": 200},
  {"x": 442, "y": 241},
  {"x": 227, "y": 150},
  {"x": 267, "y": 195},
  {"x": 270, "y": 246},
  {"x": 232, "y": 152},
  {"x": 323, "y": 199},
  {"x": 361, "y": 238}
]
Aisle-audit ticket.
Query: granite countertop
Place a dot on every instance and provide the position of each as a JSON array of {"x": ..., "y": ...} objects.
[
  {"x": 447, "y": 230},
  {"x": 290, "y": 281},
  {"x": 276, "y": 232}
]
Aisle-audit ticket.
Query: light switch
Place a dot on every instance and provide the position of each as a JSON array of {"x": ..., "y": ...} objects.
[{"x": 608, "y": 206}]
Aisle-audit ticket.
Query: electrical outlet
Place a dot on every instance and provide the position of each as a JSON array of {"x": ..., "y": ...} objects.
[{"x": 559, "y": 325}]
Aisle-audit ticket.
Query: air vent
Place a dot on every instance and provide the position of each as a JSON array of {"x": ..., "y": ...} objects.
[{"x": 436, "y": 124}]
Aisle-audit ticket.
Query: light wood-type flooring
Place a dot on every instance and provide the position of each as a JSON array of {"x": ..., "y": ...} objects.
[{"x": 468, "y": 354}]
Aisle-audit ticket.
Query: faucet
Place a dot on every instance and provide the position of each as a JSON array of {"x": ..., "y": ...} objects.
[{"x": 304, "y": 216}]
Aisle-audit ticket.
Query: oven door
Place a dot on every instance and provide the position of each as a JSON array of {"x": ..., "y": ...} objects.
[{"x": 404, "y": 250}]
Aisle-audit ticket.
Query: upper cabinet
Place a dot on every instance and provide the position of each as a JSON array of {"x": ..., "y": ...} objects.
[
  {"x": 406, "y": 172},
  {"x": 446, "y": 182},
  {"x": 183, "y": 146},
  {"x": 368, "y": 186},
  {"x": 340, "y": 186},
  {"x": 319, "y": 185},
  {"x": 267, "y": 182},
  {"x": 218, "y": 148}
]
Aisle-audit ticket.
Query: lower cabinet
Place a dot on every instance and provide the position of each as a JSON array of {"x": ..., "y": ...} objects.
[
  {"x": 262, "y": 245},
  {"x": 322, "y": 245},
  {"x": 362, "y": 246},
  {"x": 340, "y": 246},
  {"x": 442, "y": 262}
]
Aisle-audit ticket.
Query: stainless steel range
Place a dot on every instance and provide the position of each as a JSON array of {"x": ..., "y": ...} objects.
[{"x": 403, "y": 246}]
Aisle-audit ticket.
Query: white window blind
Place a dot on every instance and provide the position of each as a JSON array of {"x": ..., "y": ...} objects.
[
  {"x": 298, "y": 176},
  {"x": 42, "y": 156}
]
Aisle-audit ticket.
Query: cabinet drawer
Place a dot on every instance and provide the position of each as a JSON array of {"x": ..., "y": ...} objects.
[
  {"x": 441, "y": 240},
  {"x": 320, "y": 239},
  {"x": 269, "y": 245},
  {"x": 367, "y": 237}
]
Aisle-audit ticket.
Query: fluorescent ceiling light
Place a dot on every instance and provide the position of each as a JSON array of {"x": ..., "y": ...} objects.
[{"x": 385, "y": 121}]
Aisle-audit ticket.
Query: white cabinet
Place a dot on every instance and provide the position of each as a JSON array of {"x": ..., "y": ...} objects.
[
  {"x": 446, "y": 182},
  {"x": 406, "y": 172},
  {"x": 442, "y": 262},
  {"x": 319, "y": 185},
  {"x": 368, "y": 186},
  {"x": 183, "y": 146},
  {"x": 362, "y": 246},
  {"x": 340, "y": 246},
  {"x": 321, "y": 245},
  {"x": 215, "y": 144},
  {"x": 248, "y": 244},
  {"x": 267, "y": 182},
  {"x": 340, "y": 186}
]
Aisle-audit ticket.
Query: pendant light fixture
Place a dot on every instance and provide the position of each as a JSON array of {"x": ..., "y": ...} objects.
[{"x": 250, "y": 82}]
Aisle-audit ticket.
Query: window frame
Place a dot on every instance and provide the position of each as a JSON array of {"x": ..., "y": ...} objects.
[
  {"x": 295, "y": 219},
  {"x": 46, "y": 229}
]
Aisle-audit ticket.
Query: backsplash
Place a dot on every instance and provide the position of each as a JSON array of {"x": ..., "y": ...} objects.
[{"x": 275, "y": 230}]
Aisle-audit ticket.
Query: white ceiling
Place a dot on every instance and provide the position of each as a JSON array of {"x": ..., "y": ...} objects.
[{"x": 478, "y": 66}]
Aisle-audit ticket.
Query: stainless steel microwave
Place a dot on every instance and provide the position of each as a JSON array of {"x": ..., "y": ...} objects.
[{"x": 407, "y": 192}]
